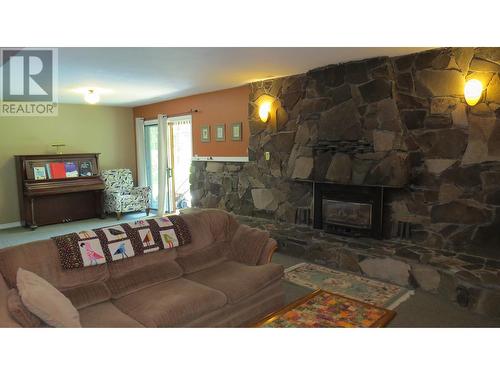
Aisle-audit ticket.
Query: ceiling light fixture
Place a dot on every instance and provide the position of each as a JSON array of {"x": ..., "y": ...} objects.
[{"x": 92, "y": 97}]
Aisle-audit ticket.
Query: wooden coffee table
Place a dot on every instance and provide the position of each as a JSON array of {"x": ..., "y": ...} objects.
[{"x": 322, "y": 309}]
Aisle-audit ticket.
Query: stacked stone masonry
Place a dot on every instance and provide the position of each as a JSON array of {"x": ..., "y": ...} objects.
[{"x": 399, "y": 121}]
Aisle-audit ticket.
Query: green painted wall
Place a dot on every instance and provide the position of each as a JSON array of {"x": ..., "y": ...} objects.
[{"x": 83, "y": 128}]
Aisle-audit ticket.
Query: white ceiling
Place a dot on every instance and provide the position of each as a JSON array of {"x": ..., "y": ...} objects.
[{"x": 135, "y": 76}]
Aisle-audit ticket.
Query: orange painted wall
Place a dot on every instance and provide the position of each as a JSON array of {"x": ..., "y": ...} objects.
[{"x": 218, "y": 107}]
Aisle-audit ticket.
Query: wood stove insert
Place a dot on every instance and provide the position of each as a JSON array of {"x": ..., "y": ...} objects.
[{"x": 350, "y": 210}]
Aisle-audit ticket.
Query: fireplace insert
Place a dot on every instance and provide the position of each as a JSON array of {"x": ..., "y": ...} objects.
[
  {"x": 352, "y": 214},
  {"x": 349, "y": 210}
]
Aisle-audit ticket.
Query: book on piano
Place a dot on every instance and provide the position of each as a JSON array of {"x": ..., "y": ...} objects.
[
  {"x": 70, "y": 168},
  {"x": 47, "y": 168},
  {"x": 39, "y": 173},
  {"x": 57, "y": 170},
  {"x": 86, "y": 168}
]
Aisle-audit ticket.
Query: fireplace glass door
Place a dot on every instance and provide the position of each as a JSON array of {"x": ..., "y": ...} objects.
[{"x": 352, "y": 214}]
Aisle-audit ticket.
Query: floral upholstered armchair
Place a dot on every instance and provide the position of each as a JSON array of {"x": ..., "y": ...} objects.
[{"x": 121, "y": 196}]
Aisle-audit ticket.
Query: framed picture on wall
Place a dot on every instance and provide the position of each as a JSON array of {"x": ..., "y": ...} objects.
[
  {"x": 236, "y": 132},
  {"x": 205, "y": 133},
  {"x": 220, "y": 132}
]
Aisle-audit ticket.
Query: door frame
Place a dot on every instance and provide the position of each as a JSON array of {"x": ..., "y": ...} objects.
[{"x": 170, "y": 185}]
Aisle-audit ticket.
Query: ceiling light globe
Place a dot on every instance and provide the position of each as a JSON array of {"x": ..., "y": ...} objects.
[{"x": 92, "y": 97}]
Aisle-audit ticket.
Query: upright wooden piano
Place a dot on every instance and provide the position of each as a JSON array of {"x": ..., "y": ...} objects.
[{"x": 58, "y": 188}]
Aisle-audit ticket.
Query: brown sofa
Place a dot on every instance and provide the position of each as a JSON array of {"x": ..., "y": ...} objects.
[{"x": 223, "y": 278}]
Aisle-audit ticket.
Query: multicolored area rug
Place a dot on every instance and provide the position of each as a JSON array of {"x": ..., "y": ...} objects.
[
  {"x": 348, "y": 285},
  {"x": 322, "y": 309}
]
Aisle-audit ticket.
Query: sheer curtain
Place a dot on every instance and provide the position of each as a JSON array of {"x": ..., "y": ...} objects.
[
  {"x": 140, "y": 152},
  {"x": 181, "y": 142},
  {"x": 162, "y": 164}
]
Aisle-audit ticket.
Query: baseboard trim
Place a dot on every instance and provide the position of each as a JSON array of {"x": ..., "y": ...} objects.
[{"x": 10, "y": 225}]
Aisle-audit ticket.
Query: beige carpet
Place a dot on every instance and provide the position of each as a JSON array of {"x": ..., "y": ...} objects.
[{"x": 18, "y": 235}]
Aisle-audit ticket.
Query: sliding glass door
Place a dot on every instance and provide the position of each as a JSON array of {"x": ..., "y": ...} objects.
[{"x": 178, "y": 154}]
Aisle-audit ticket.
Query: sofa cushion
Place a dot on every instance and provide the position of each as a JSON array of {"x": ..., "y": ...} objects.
[
  {"x": 42, "y": 258},
  {"x": 19, "y": 312},
  {"x": 249, "y": 310},
  {"x": 204, "y": 258},
  {"x": 134, "y": 274},
  {"x": 236, "y": 280},
  {"x": 201, "y": 236},
  {"x": 208, "y": 226},
  {"x": 222, "y": 224},
  {"x": 88, "y": 295},
  {"x": 45, "y": 301},
  {"x": 106, "y": 315},
  {"x": 171, "y": 303}
]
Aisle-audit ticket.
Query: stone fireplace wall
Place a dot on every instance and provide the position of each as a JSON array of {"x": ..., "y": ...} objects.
[{"x": 391, "y": 121}]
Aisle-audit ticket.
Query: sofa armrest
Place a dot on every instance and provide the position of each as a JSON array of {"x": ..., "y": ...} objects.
[
  {"x": 267, "y": 253},
  {"x": 248, "y": 244},
  {"x": 5, "y": 318}
]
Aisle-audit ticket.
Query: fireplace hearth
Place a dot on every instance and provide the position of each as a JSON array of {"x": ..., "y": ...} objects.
[{"x": 349, "y": 210}]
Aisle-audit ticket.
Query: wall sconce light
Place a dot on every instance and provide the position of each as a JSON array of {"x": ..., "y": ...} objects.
[
  {"x": 265, "y": 104},
  {"x": 473, "y": 91},
  {"x": 264, "y": 111}
]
